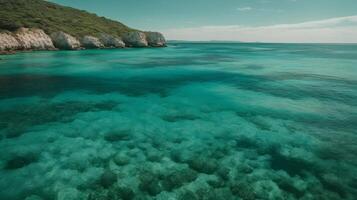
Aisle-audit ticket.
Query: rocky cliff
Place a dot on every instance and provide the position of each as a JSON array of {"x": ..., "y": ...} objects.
[
  {"x": 50, "y": 25},
  {"x": 33, "y": 39},
  {"x": 91, "y": 42},
  {"x": 65, "y": 41},
  {"x": 37, "y": 39},
  {"x": 111, "y": 41},
  {"x": 155, "y": 39},
  {"x": 25, "y": 39},
  {"x": 8, "y": 42},
  {"x": 135, "y": 39}
]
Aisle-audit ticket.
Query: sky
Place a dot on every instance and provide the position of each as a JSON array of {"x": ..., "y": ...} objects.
[{"x": 234, "y": 20}]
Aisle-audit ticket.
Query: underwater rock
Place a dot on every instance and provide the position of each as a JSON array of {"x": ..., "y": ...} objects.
[
  {"x": 149, "y": 183},
  {"x": 177, "y": 140},
  {"x": 333, "y": 183},
  {"x": 15, "y": 130},
  {"x": 20, "y": 161},
  {"x": 97, "y": 196},
  {"x": 65, "y": 41},
  {"x": 177, "y": 118},
  {"x": 243, "y": 191},
  {"x": 246, "y": 143},
  {"x": 244, "y": 168},
  {"x": 108, "y": 178},
  {"x": 289, "y": 187},
  {"x": 178, "y": 178},
  {"x": 122, "y": 193},
  {"x": 223, "y": 172},
  {"x": 154, "y": 156},
  {"x": 33, "y": 197},
  {"x": 219, "y": 153},
  {"x": 90, "y": 42},
  {"x": 216, "y": 183},
  {"x": 213, "y": 194},
  {"x": 121, "y": 159},
  {"x": 292, "y": 165},
  {"x": 187, "y": 195},
  {"x": 203, "y": 165},
  {"x": 176, "y": 156},
  {"x": 223, "y": 194},
  {"x": 125, "y": 193},
  {"x": 131, "y": 145},
  {"x": 117, "y": 135},
  {"x": 69, "y": 194},
  {"x": 19, "y": 120},
  {"x": 157, "y": 142}
]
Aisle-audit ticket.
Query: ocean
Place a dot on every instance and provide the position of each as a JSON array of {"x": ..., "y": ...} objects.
[{"x": 205, "y": 121}]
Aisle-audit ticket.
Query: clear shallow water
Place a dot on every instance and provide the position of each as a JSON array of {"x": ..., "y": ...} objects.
[{"x": 191, "y": 121}]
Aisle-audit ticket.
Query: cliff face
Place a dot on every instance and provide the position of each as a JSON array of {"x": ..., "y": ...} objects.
[
  {"x": 90, "y": 42},
  {"x": 135, "y": 39},
  {"x": 26, "y": 39},
  {"x": 65, "y": 41},
  {"x": 33, "y": 39},
  {"x": 148, "y": 39},
  {"x": 54, "y": 26},
  {"x": 8, "y": 42},
  {"x": 155, "y": 39},
  {"x": 37, "y": 39},
  {"x": 111, "y": 41}
]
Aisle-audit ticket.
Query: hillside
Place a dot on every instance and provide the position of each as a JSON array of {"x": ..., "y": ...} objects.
[{"x": 52, "y": 17}]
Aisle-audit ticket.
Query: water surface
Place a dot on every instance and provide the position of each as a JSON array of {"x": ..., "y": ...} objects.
[{"x": 191, "y": 121}]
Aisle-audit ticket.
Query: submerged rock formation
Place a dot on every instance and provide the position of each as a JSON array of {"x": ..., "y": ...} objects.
[
  {"x": 65, "y": 41},
  {"x": 90, "y": 42},
  {"x": 111, "y": 41},
  {"x": 33, "y": 39},
  {"x": 8, "y": 42},
  {"x": 135, "y": 39},
  {"x": 155, "y": 39}
]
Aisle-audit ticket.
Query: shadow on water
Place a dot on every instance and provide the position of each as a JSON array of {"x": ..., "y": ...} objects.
[
  {"x": 48, "y": 86},
  {"x": 17, "y": 121}
]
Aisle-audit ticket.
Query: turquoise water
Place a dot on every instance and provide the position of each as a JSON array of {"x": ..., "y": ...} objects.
[{"x": 191, "y": 121}]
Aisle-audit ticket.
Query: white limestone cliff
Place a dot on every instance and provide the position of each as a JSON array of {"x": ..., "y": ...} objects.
[
  {"x": 155, "y": 39},
  {"x": 90, "y": 42},
  {"x": 33, "y": 39},
  {"x": 135, "y": 39},
  {"x": 65, "y": 41},
  {"x": 111, "y": 41},
  {"x": 8, "y": 42}
]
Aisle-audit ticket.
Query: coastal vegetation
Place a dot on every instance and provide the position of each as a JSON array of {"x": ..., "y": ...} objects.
[
  {"x": 52, "y": 17},
  {"x": 42, "y": 25}
]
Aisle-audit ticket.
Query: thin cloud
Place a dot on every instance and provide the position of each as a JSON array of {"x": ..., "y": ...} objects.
[
  {"x": 243, "y": 9},
  {"x": 334, "y": 30}
]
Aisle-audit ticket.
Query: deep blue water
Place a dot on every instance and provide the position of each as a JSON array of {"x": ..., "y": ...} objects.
[{"x": 190, "y": 121}]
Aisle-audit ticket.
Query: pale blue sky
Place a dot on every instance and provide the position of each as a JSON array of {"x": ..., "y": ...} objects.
[{"x": 169, "y": 15}]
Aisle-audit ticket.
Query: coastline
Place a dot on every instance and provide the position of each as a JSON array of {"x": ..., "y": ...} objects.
[{"x": 33, "y": 39}]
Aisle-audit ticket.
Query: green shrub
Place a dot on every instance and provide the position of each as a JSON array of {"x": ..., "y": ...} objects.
[{"x": 52, "y": 18}]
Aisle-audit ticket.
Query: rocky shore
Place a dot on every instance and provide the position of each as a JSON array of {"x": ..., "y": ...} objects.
[{"x": 36, "y": 39}]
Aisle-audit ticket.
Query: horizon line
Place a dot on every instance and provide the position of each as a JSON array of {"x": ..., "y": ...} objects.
[{"x": 331, "y": 30}]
